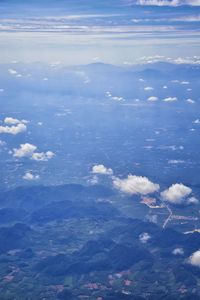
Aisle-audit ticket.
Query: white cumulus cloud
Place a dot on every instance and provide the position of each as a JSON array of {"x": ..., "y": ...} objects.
[
  {"x": 13, "y": 129},
  {"x": 30, "y": 176},
  {"x": 178, "y": 194},
  {"x": 190, "y": 101},
  {"x": 101, "y": 169},
  {"x": 28, "y": 150},
  {"x": 135, "y": 185},
  {"x": 13, "y": 126},
  {"x": 12, "y": 71},
  {"x": 144, "y": 237},
  {"x": 192, "y": 200},
  {"x": 42, "y": 156},
  {"x": 170, "y": 99},
  {"x": 152, "y": 98},
  {"x": 178, "y": 251},
  {"x": 25, "y": 150},
  {"x": 194, "y": 259},
  {"x": 12, "y": 121},
  {"x": 148, "y": 88}
]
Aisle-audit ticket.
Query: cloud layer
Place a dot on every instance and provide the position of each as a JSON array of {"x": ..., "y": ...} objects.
[{"x": 169, "y": 2}]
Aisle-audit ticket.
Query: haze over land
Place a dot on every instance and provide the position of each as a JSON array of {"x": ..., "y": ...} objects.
[{"x": 99, "y": 150}]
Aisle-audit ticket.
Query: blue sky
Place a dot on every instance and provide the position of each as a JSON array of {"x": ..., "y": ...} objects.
[{"x": 115, "y": 31}]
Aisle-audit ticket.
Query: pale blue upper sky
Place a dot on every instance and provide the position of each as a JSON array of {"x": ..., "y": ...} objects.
[{"x": 112, "y": 31}]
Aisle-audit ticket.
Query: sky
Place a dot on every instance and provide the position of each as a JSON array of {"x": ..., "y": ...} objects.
[{"x": 114, "y": 31}]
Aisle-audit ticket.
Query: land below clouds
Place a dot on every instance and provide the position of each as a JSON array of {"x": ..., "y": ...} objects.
[{"x": 69, "y": 241}]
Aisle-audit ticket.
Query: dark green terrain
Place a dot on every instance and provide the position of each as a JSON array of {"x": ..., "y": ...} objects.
[{"x": 73, "y": 242}]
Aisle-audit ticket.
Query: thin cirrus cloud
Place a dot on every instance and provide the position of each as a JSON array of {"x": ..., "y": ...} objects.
[
  {"x": 160, "y": 20},
  {"x": 195, "y": 60},
  {"x": 168, "y": 2},
  {"x": 29, "y": 150},
  {"x": 159, "y": 2}
]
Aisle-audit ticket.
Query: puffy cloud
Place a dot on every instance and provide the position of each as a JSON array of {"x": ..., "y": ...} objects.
[
  {"x": 192, "y": 200},
  {"x": 135, "y": 185},
  {"x": 13, "y": 129},
  {"x": 148, "y": 88},
  {"x": 115, "y": 98},
  {"x": 101, "y": 169},
  {"x": 13, "y": 121},
  {"x": 178, "y": 251},
  {"x": 194, "y": 259},
  {"x": 144, "y": 237},
  {"x": 178, "y": 194},
  {"x": 170, "y": 99},
  {"x": 152, "y": 98},
  {"x": 30, "y": 176},
  {"x": 12, "y": 71},
  {"x": 197, "y": 121},
  {"x": 18, "y": 126},
  {"x": 10, "y": 120},
  {"x": 94, "y": 180},
  {"x": 28, "y": 150},
  {"x": 25, "y": 150},
  {"x": 190, "y": 101},
  {"x": 42, "y": 156}
]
